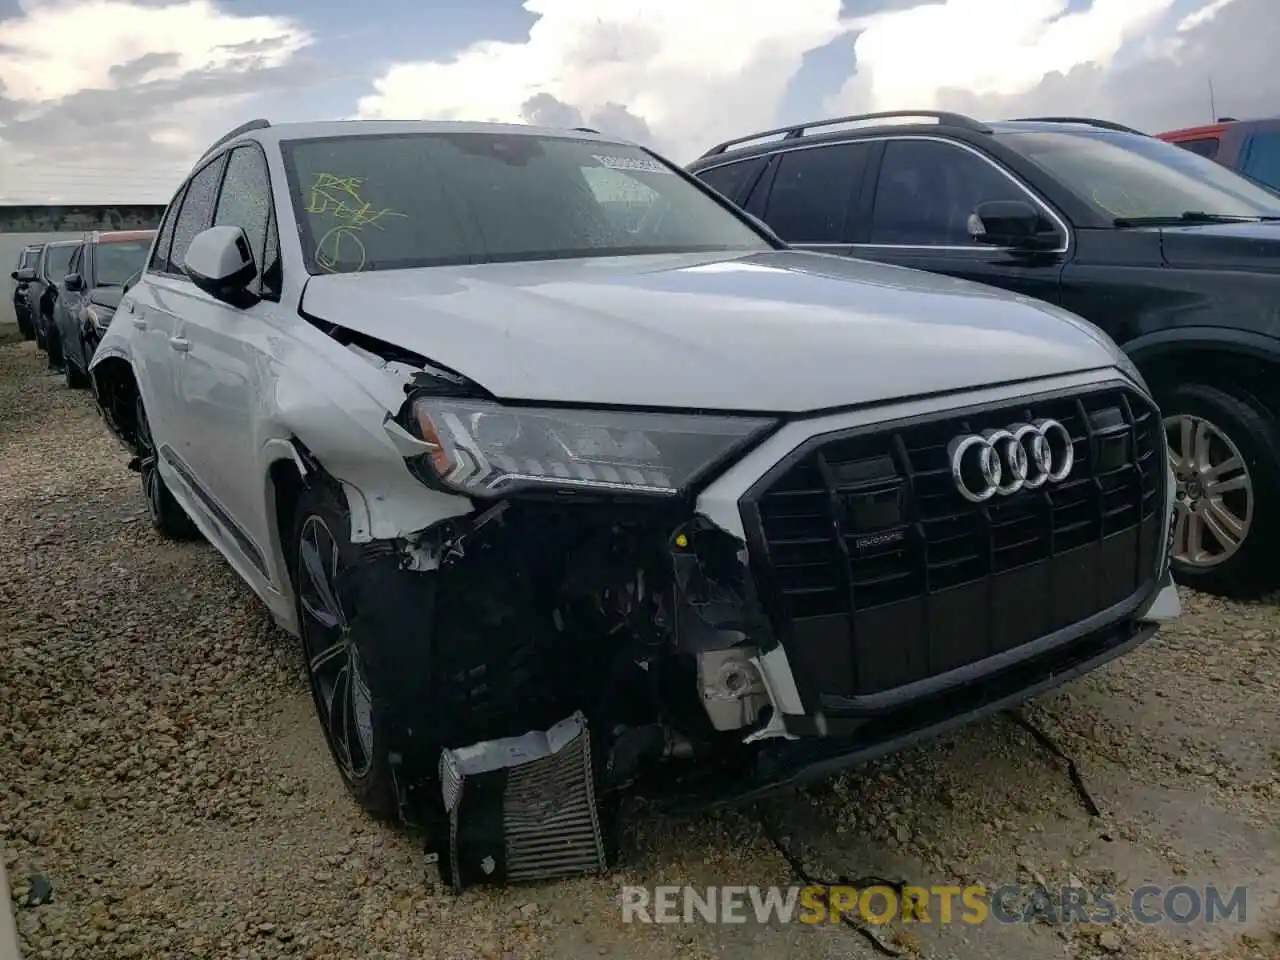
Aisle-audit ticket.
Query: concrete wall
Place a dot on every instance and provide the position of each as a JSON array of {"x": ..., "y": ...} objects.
[{"x": 20, "y": 226}]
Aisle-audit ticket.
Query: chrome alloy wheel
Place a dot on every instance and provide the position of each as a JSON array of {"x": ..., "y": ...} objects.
[
  {"x": 333, "y": 661},
  {"x": 1213, "y": 505}
]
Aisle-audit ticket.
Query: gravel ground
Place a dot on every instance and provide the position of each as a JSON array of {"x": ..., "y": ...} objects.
[{"x": 162, "y": 772}]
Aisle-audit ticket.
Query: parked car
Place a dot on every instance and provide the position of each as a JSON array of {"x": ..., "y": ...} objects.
[
  {"x": 43, "y": 290},
  {"x": 1251, "y": 147},
  {"x": 22, "y": 275},
  {"x": 514, "y": 463},
  {"x": 1172, "y": 255},
  {"x": 90, "y": 293}
]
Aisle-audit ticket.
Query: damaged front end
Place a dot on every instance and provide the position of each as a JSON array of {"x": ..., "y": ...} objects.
[{"x": 583, "y": 604}]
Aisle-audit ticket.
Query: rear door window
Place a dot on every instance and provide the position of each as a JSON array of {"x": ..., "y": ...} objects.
[
  {"x": 196, "y": 214},
  {"x": 812, "y": 192}
]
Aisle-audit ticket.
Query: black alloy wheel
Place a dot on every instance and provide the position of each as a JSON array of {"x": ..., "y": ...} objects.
[
  {"x": 167, "y": 515},
  {"x": 336, "y": 671},
  {"x": 76, "y": 379}
]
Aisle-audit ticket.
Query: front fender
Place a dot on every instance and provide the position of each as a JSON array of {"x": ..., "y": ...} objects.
[
  {"x": 341, "y": 426},
  {"x": 1152, "y": 346}
]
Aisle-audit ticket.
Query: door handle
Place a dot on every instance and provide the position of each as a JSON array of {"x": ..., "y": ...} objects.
[
  {"x": 139, "y": 323},
  {"x": 181, "y": 344}
]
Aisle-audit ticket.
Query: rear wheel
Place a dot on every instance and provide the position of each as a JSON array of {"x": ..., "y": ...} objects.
[
  {"x": 23, "y": 316},
  {"x": 76, "y": 378},
  {"x": 167, "y": 515},
  {"x": 1224, "y": 449},
  {"x": 53, "y": 346}
]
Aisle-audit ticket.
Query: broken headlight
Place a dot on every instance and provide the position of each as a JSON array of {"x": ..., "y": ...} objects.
[{"x": 487, "y": 449}]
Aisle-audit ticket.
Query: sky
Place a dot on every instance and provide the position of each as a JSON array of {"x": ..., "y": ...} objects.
[{"x": 111, "y": 101}]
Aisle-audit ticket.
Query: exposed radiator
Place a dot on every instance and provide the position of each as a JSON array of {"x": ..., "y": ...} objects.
[{"x": 522, "y": 808}]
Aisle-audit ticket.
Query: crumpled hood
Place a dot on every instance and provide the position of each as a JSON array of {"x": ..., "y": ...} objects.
[
  {"x": 1250, "y": 245},
  {"x": 780, "y": 331}
]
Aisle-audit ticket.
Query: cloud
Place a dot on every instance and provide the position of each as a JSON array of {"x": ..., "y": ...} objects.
[
  {"x": 681, "y": 76},
  {"x": 1227, "y": 42},
  {"x": 86, "y": 115}
]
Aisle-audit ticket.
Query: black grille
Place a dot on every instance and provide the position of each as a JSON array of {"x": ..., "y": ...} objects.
[{"x": 879, "y": 574}]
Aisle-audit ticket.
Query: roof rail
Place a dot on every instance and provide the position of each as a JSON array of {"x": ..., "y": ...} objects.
[
  {"x": 586, "y": 130},
  {"x": 1228, "y": 119},
  {"x": 258, "y": 124},
  {"x": 795, "y": 131},
  {"x": 1087, "y": 121}
]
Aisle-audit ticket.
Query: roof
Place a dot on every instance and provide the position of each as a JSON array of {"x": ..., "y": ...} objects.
[
  {"x": 949, "y": 124},
  {"x": 1194, "y": 133},
  {"x": 121, "y": 236},
  {"x": 277, "y": 132},
  {"x": 1218, "y": 129}
]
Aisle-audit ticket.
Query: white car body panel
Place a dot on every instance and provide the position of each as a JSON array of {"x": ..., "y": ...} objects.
[{"x": 780, "y": 332}]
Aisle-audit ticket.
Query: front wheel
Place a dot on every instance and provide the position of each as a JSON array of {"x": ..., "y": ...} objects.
[
  {"x": 354, "y": 727},
  {"x": 1224, "y": 449}
]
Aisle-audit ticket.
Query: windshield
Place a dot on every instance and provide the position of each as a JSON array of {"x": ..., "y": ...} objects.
[
  {"x": 1131, "y": 177},
  {"x": 384, "y": 202},
  {"x": 116, "y": 262},
  {"x": 58, "y": 262}
]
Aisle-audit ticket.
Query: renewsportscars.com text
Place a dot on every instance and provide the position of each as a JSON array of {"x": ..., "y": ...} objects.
[{"x": 1150, "y": 904}]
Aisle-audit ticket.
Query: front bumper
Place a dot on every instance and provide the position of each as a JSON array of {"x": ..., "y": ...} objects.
[
  {"x": 780, "y": 764},
  {"x": 804, "y": 673}
]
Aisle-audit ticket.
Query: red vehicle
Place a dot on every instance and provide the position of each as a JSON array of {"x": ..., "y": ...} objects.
[{"x": 1251, "y": 147}]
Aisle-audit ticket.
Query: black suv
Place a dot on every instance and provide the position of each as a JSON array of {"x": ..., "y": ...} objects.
[
  {"x": 1174, "y": 256},
  {"x": 22, "y": 275}
]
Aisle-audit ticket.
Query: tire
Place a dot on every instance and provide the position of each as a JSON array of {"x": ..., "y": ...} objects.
[
  {"x": 167, "y": 516},
  {"x": 41, "y": 340},
  {"x": 53, "y": 347},
  {"x": 1244, "y": 505},
  {"x": 358, "y": 735},
  {"x": 25, "y": 327},
  {"x": 76, "y": 379}
]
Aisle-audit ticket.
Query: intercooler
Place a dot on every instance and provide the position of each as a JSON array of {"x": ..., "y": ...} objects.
[{"x": 522, "y": 808}]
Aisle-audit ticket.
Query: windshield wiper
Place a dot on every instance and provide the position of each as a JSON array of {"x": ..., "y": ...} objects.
[{"x": 1188, "y": 216}]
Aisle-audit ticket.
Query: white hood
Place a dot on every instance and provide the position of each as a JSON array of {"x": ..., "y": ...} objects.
[{"x": 782, "y": 331}]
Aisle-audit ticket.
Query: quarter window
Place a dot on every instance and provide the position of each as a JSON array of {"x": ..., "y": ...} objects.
[
  {"x": 733, "y": 180},
  {"x": 928, "y": 189},
  {"x": 196, "y": 213},
  {"x": 812, "y": 191}
]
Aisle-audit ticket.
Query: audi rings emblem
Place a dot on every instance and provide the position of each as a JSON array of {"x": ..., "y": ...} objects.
[{"x": 1004, "y": 461}]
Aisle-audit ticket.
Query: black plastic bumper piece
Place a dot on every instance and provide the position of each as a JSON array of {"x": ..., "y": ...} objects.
[{"x": 789, "y": 763}]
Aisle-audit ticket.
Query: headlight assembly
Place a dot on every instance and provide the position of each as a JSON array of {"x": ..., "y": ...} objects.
[{"x": 487, "y": 449}]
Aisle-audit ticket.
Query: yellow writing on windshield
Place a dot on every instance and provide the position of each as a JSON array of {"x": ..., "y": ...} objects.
[{"x": 339, "y": 198}]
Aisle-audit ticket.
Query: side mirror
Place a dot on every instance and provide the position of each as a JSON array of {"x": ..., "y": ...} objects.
[
  {"x": 220, "y": 262},
  {"x": 25, "y": 275},
  {"x": 73, "y": 282},
  {"x": 1015, "y": 224}
]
